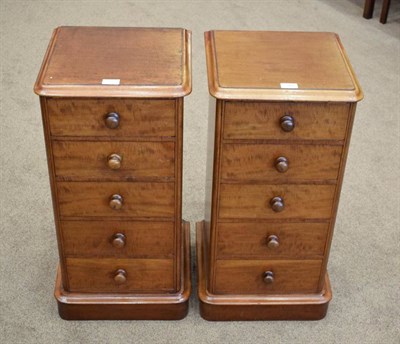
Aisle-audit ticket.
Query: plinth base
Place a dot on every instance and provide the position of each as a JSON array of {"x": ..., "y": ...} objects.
[
  {"x": 84, "y": 306},
  {"x": 255, "y": 307}
]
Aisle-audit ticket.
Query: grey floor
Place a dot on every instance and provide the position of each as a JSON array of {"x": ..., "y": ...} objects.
[{"x": 364, "y": 264}]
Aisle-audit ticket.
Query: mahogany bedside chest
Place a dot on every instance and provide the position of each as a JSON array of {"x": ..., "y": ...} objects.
[
  {"x": 281, "y": 114},
  {"x": 112, "y": 108}
]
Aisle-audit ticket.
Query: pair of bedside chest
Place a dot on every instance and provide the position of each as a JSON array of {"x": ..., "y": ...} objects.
[{"x": 281, "y": 114}]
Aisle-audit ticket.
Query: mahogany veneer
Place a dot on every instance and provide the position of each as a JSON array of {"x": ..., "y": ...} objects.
[
  {"x": 112, "y": 108},
  {"x": 281, "y": 115},
  {"x": 129, "y": 306}
]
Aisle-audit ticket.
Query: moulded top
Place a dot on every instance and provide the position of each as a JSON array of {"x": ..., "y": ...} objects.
[
  {"x": 116, "y": 62},
  {"x": 272, "y": 65}
]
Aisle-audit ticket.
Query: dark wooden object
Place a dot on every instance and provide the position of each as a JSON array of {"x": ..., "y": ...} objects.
[
  {"x": 385, "y": 11},
  {"x": 369, "y": 10},
  {"x": 112, "y": 107},
  {"x": 277, "y": 153}
]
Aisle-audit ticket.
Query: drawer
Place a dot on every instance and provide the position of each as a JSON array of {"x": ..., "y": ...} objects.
[
  {"x": 247, "y": 277},
  {"x": 128, "y": 161},
  {"x": 124, "y": 239},
  {"x": 262, "y": 120},
  {"x": 271, "y": 240},
  {"x": 138, "y": 199},
  {"x": 280, "y": 163},
  {"x": 253, "y": 201},
  {"x": 104, "y": 275},
  {"x": 87, "y": 117}
]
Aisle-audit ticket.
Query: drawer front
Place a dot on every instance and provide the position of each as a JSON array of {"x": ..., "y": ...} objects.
[
  {"x": 86, "y": 117},
  {"x": 262, "y": 120},
  {"x": 271, "y": 240},
  {"x": 113, "y": 160},
  {"x": 99, "y": 275},
  {"x": 254, "y": 201},
  {"x": 247, "y": 277},
  {"x": 93, "y": 199},
  {"x": 280, "y": 163},
  {"x": 124, "y": 239}
]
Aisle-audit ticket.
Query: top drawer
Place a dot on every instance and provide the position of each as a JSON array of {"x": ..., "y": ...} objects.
[
  {"x": 262, "y": 120},
  {"x": 87, "y": 117}
]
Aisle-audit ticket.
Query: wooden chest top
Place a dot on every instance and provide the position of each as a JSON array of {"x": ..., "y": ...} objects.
[
  {"x": 116, "y": 62},
  {"x": 288, "y": 66}
]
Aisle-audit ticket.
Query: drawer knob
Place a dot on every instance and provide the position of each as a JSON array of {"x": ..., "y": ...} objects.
[
  {"x": 120, "y": 276},
  {"x": 273, "y": 242},
  {"x": 112, "y": 120},
  {"x": 118, "y": 240},
  {"x": 268, "y": 277},
  {"x": 287, "y": 123},
  {"x": 114, "y": 161},
  {"x": 281, "y": 164},
  {"x": 116, "y": 202},
  {"x": 277, "y": 204}
]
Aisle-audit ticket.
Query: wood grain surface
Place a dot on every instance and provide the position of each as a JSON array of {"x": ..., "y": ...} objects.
[
  {"x": 130, "y": 306},
  {"x": 228, "y": 307},
  {"x": 254, "y": 64},
  {"x": 257, "y": 162},
  {"x": 85, "y": 117},
  {"x": 139, "y": 199},
  {"x": 249, "y": 240},
  {"x": 261, "y": 120},
  {"x": 94, "y": 239},
  {"x": 147, "y": 62},
  {"x": 122, "y": 140},
  {"x": 280, "y": 129},
  {"x": 87, "y": 160},
  {"x": 252, "y": 201},
  {"x": 246, "y": 276},
  {"x": 142, "y": 275}
]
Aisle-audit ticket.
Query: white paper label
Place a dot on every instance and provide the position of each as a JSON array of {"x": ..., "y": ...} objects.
[
  {"x": 289, "y": 85},
  {"x": 110, "y": 81}
]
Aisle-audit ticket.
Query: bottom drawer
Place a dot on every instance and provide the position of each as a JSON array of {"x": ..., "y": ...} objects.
[
  {"x": 120, "y": 275},
  {"x": 247, "y": 277}
]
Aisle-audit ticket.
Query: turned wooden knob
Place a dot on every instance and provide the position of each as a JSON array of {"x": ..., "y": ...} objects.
[
  {"x": 273, "y": 241},
  {"x": 268, "y": 277},
  {"x": 116, "y": 202},
  {"x": 112, "y": 120},
  {"x": 277, "y": 204},
  {"x": 287, "y": 123},
  {"x": 281, "y": 164},
  {"x": 120, "y": 276},
  {"x": 118, "y": 240},
  {"x": 114, "y": 161}
]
